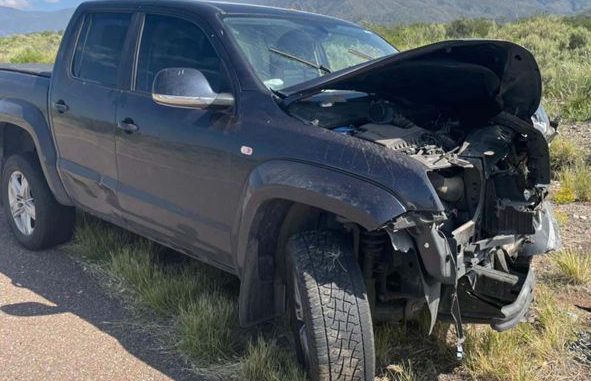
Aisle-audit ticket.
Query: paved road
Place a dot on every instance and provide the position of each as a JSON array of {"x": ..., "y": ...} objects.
[{"x": 57, "y": 324}]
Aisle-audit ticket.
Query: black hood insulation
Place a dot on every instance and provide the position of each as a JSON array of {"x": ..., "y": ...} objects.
[{"x": 472, "y": 79}]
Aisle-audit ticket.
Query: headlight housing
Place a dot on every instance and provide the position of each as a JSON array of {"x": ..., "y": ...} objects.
[{"x": 543, "y": 124}]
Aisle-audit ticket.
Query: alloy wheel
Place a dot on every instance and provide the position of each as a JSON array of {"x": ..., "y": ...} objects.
[{"x": 22, "y": 203}]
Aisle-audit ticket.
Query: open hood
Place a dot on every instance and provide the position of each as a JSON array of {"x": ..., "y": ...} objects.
[{"x": 471, "y": 79}]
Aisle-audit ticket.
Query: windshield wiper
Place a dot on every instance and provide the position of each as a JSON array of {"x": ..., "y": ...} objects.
[
  {"x": 361, "y": 54},
  {"x": 300, "y": 60}
]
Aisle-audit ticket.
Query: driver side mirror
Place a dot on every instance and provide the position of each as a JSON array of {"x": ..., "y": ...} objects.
[{"x": 187, "y": 88}]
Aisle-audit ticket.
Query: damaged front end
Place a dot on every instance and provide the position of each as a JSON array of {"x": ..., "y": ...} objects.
[
  {"x": 469, "y": 112},
  {"x": 477, "y": 257}
]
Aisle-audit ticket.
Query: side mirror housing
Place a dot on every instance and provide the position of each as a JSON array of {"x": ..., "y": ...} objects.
[{"x": 187, "y": 88}]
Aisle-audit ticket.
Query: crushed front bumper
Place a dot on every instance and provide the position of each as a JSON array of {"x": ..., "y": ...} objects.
[
  {"x": 513, "y": 313},
  {"x": 479, "y": 309}
]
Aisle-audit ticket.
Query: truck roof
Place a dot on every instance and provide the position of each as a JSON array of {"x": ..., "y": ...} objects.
[{"x": 213, "y": 7}]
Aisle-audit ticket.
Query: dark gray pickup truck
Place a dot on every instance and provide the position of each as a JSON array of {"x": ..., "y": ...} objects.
[{"x": 342, "y": 181}]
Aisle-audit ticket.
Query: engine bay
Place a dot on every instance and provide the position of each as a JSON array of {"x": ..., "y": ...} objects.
[{"x": 482, "y": 170}]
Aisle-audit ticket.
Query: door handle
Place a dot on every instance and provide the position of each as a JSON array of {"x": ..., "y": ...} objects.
[
  {"x": 61, "y": 106},
  {"x": 128, "y": 125}
]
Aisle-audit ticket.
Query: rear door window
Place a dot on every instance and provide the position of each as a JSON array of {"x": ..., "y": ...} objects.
[{"x": 100, "y": 48}]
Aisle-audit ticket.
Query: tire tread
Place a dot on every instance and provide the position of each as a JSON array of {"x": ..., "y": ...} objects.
[{"x": 333, "y": 291}]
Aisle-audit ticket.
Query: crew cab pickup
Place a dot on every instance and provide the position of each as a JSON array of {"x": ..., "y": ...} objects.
[{"x": 342, "y": 181}]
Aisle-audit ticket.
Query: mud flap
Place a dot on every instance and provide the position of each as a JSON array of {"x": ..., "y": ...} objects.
[{"x": 432, "y": 291}]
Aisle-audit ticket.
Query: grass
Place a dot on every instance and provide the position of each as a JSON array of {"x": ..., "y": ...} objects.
[
  {"x": 207, "y": 327},
  {"x": 573, "y": 266},
  {"x": 407, "y": 352},
  {"x": 575, "y": 185},
  {"x": 266, "y": 361},
  {"x": 197, "y": 302},
  {"x": 570, "y": 164}
]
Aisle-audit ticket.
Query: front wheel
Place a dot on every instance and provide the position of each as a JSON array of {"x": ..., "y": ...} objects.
[{"x": 331, "y": 316}]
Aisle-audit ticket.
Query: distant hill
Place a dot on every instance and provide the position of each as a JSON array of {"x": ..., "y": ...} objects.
[
  {"x": 404, "y": 11},
  {"x": 15, "y": 21},
  {"x": 38, "y": 15}
]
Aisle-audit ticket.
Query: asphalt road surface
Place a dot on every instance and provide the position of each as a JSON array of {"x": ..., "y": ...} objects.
[{"x": 56, "y": 323}]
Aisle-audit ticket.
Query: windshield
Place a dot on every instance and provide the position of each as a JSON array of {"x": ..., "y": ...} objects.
[{"x": 288, "y": 51}]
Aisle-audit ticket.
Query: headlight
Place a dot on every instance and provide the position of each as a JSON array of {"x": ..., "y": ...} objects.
[{"x": 542, "y": 123}]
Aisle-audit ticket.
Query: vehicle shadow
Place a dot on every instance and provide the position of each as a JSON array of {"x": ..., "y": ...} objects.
[{"x": 67, "y": 288}]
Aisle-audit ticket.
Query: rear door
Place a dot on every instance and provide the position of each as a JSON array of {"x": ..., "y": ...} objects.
[
  {"x": 85, "y": 92},
  {"x": 173, "y": 165}
]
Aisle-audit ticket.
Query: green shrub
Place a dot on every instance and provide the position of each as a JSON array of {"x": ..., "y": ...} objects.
[
  {"x": 465, "y": 28},
  {"x": 565, "y": 153},
  {"x": 575, "y": 184},
  {"x": 30, "y": 48}
]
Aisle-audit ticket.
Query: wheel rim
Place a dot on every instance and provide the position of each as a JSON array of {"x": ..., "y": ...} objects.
[
  {"x": 21, "y": 202},
  {"x": 300, "y": 323}
]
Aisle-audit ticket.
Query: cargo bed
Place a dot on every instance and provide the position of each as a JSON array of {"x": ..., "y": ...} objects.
[{"x": 43, "y": 70}]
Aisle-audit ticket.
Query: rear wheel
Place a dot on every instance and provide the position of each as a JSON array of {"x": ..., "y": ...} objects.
[
  {"x": 331, "y": 317},
  {"x": 37, "y": 220}
]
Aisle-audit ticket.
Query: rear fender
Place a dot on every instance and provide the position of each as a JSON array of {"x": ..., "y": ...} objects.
[
  {"x": 28, "y": 117},
  {"x": 349, "y": 197}
]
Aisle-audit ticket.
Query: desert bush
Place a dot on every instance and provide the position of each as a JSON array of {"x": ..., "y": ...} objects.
[
  {"x": 565, "y": 153},
  {"x": 573, "y": 266},
  {"x": 465, "y": 28},
  {"x": 575, "y": 184}
]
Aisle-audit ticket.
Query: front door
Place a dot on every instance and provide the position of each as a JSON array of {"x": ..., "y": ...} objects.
[{"x": 172, "y": 167}]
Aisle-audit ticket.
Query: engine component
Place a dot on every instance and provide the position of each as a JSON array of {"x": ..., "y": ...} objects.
[
  {"x": 371, "y": 246},
  {"x": 393, "y": 137},
  {"x": 381, "y": 112},
  {"x": 450, "y": 189}
]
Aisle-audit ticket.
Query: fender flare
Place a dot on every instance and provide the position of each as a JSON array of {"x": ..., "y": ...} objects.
[
  {"x": 345, "y": 195},
  {"x": 28, "y": 117}
]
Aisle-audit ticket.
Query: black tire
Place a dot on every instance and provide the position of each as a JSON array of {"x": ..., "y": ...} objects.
[
  {"x": 335, "y": 313},
  {"x": 54, "y": 223}
]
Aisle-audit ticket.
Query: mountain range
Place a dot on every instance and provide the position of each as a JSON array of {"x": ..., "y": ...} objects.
[
  {"x": 23, "y": 16},
  {"x": 409, "y": 11},
  {"x": 16, "y": 21}
]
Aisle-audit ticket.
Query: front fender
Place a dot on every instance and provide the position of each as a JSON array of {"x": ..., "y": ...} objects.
[
  {"x": 353, "y": 198},
  {"x": 28, "y": 117},
  {"x": 360, "y": 201}
]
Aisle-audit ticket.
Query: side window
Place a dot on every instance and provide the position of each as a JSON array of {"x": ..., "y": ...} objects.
[
  {"x": 100, "y": 47},
  {"x": 169, "y": 42}
]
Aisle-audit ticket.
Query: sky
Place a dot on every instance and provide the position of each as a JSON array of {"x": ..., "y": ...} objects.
[{"x": 40, "y": 5}]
